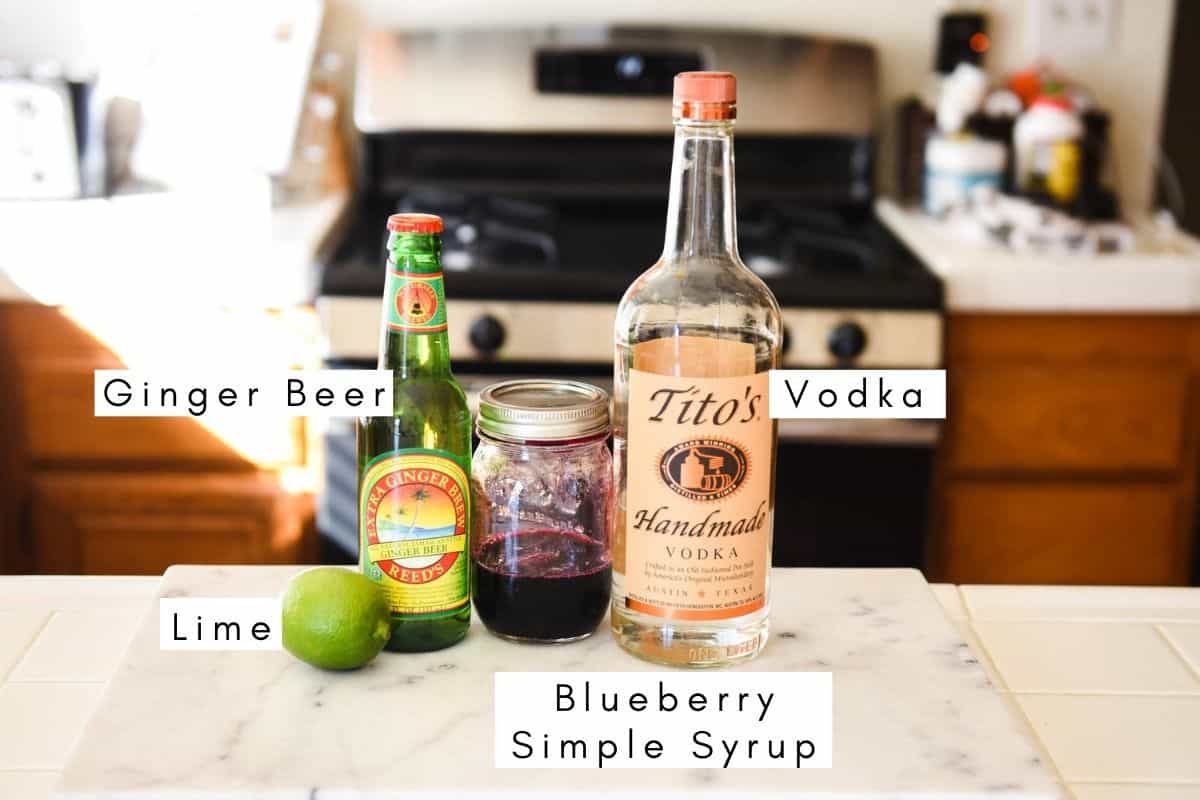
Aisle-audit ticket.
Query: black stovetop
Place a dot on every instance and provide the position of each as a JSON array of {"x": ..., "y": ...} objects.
[
  {"x": 575, "y": 217},
  {"x": 571, "y": 249}
]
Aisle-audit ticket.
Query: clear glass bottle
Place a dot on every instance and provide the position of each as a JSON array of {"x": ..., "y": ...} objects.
[{"x": 694, "y": 445}]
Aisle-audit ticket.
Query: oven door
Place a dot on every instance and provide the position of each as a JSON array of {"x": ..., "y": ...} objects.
[
  {"x": 853, "y": 493},
  {"x": 849, "y": 493}
]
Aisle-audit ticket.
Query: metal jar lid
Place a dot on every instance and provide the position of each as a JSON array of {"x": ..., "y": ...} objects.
[{"x": 542, "y": 410}]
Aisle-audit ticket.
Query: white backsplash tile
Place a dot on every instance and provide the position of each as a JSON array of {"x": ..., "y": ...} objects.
[
  {"x": 1119, "y": 738},
  {"x": 42, "y": 722},
  {"x": 79, "y": 646},
  {"x": 74, "y": 592},
  {"x": 1134, "y": 791},
  {"x": 17, "y": 631},
  {"x": 27, "y": 784},
  {"x": 1082, "y": 602},
  {"x": 1080, "y": 657},
  {"x": 1185, "y": 638}
]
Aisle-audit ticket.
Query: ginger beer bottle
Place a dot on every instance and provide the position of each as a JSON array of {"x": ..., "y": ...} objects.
[
  {"x": 693, "y": 442},
  {"x": 414, "y": 494}
]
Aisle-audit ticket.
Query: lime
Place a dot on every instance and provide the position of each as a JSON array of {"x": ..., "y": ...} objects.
[{"x": 334, "y": 618}]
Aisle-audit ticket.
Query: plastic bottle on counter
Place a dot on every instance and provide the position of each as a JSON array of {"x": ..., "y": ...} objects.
[
  {"x": 955, "y": 165},
  {"x": 1046, "y": 144}
]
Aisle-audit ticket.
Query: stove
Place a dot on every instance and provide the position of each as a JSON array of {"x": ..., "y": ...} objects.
[{"x": 547, "y": 153}]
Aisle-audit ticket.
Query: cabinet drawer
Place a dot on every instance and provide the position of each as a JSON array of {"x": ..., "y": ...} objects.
[
  {"x": 125, "y": 523},
  {"x": 1058, "y": 533},
  {"x": 1066, "y": 418},
  {"x": 58, "y": 404},
  {"x": 1096, "y": 339}
]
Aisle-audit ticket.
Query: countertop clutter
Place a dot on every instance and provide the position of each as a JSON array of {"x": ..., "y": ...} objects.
[
  {"x": 1103, "y": 683},
  {"x": 991, "y": 278}
]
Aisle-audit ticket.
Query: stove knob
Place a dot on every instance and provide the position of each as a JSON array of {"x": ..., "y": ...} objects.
[
  {"x": 847, "y": 341},
  {"x": 486, "y": 334}
]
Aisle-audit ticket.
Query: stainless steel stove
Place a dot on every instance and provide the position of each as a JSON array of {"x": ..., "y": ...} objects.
[{"x": 547, "y": 152}]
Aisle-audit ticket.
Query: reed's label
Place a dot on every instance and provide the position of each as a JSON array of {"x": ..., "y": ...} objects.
[
  {"x": 698, "y": 513},
  {"x": 413, "y": 508},
  {"x": 415, "y": 302}
]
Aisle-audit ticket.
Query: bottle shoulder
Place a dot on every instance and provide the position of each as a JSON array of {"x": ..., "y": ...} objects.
[
  {"x": 716, "y": 294},
  {"x": 433, "y": 385}
]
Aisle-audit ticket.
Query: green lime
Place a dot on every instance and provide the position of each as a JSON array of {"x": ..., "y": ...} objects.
[{"x": 334, "y": 618}]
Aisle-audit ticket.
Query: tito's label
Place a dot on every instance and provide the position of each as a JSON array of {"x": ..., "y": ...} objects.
[
  {"x": 413, "y": 511},
  {"x": 698, "y": 504},
  {"x": 415, "y": 302}
]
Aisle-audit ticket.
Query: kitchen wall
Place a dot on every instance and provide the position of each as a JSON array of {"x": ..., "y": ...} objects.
[{"x": 1129, "y": 78}]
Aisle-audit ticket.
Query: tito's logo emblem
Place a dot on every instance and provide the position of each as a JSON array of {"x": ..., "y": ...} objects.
[
  {"x": 704, "y": 469},
  {"x": 416, "y": 303}
]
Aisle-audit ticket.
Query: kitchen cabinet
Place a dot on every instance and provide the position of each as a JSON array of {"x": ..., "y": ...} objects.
[
  {"x": 1069, "y": 451},
  {"x": 117, "y": 523},
  {"x": 82, "y": 494}
]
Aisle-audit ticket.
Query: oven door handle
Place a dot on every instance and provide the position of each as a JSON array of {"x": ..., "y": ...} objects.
[{"x": 880, "y": 432}]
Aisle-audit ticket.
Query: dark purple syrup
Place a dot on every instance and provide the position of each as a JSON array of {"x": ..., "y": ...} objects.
[{"x": 541, "y": 583}]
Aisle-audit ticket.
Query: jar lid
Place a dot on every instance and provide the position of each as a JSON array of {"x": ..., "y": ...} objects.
[{"x": 542, "y": 410}]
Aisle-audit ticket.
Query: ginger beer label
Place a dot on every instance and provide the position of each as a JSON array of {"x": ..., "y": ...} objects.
[
  {"x": 414, "y": 508},
  {"x": 415, "y": 302},
  {"x": 697, "y": 521}
]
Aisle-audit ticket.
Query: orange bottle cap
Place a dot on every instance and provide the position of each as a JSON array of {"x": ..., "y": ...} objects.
[
  {"x": 415, "y": 223},
  {"x": 705, "y": 87}
]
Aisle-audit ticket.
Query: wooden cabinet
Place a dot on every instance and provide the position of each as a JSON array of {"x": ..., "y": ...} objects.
[
  {"x": 1069, "y": 450},
  {"x": 1067, "y": 417},
  {"x": 119, "y": 523},
  {"x": 81, "y": 494},
  {"x": 1061, "y": 531}
]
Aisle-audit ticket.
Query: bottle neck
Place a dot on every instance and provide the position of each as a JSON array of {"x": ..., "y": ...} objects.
[
  {"x": 702, "y": 216},
  {"x": 415, "y": 343}
]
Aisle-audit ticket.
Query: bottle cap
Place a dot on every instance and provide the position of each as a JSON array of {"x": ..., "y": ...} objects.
[
  {"x": 415, "y": 223},
  {"x": 705, "y": 87},
  {"x": 705, "y": 95},
  {"x": 542, "y": 411},
  {"x": 1052, "y": 101}
]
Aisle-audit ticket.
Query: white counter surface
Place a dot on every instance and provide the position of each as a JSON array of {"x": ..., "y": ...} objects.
[
  {"x": 914, "y": 713},
  {"x": 1107, "y": 679},
  {"x": 224, "y": 247},
  {"x": 993, "y": 279}
]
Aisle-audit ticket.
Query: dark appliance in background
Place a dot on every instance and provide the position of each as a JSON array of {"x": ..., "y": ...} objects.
[
  {"x": 962, "y": 37},
  {"x": 548, "y": 152}
]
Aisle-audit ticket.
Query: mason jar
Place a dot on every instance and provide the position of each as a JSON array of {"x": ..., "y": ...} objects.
[{"x": 542, "y": 489}]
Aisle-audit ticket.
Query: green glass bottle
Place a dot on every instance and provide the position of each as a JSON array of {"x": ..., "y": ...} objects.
[{"x": 414, "y": 494}]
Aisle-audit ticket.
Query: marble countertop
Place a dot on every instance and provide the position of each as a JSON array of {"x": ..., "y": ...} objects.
[
  {"x": 991, "y": 278},
  {"x": 1105, "y": 680}
]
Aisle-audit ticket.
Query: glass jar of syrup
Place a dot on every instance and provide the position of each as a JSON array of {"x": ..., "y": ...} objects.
[{"x": 542, "y": 484}]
